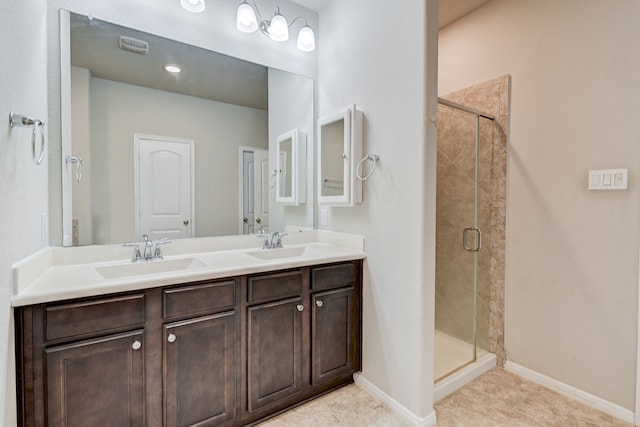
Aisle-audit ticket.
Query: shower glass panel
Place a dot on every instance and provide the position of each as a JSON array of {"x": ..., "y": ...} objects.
[{"x": 463, "y": 239}]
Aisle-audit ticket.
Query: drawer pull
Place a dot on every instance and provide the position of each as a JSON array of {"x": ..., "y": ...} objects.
[
  {"x": 136, "y": 345},
  {"x": 319, "y": 303},
  {"x": 300, "y": 307},
  {"x": 171, "y": 338}
]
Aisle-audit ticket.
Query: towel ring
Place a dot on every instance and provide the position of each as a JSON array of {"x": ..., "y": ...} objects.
[
  {"x": 78, "y": 162},
  {"x": 37, "y": 159},
  {"x": 19, "y": 120},
  {"x": 372, "y": 158},
  {"x": 272, "y": 181}
]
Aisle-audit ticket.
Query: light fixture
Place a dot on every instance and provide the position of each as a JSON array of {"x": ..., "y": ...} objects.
[
  {"x": 172, "y": 68},
  {"x": 246, "y": 20},
  {"x": 279, "y": 29},
  {"x": 249, "y": 18},
  {"x": 194, "y": 6},
  {"x": 306, "y": 39}
]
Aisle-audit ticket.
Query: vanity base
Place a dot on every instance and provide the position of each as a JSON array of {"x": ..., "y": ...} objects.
[{"x": 225, "y": 352}]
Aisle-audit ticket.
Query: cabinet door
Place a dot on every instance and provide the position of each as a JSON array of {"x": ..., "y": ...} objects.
[
  {"x": 97, "y": 382},
  {"x": 199, "y": 369},
  {"x": 274, "y": 352},
  {"x": 339, "y": 151},
  {"x": 333, "y": 345}
]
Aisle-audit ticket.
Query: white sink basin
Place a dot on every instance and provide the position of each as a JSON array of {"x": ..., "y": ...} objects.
[
  {"x": 270, "y": 254},
  {"x": 148, "y": 267}
]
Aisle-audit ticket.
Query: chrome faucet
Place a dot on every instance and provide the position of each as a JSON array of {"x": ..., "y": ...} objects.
[
  {"x": 148, "y": 254},
  {"x": 276, "y": 239},
  {"x": 270, "y": 242}
]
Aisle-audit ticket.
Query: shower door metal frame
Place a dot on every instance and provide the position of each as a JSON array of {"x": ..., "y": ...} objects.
[{"x": 478, "y": 239}]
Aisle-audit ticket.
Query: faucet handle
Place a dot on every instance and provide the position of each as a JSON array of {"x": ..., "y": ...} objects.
[
  {"x": 137, "y": 256},
  {"x": 278, "y": 235},
  {"x": 158, "y": 253}
]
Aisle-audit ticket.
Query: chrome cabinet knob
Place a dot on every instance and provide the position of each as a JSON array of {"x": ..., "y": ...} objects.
[
  {"x": 136, "y": 345},
  {"x": 319, "y": 303},
  {"x": 258, "y": 220},
  {"x": 245, "y": 220},
  {"x": 300, "y": 307},
  {"x": 185, "y": 222},
  {"x": 171, "y": 338}
]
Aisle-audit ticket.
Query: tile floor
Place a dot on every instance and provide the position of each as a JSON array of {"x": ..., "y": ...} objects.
[
  {"x": 500, "y": 398},
  {"x": 496, "y": 399}
]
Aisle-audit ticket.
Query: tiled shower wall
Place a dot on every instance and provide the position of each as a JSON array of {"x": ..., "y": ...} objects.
[{"x": 455, "y": 211}]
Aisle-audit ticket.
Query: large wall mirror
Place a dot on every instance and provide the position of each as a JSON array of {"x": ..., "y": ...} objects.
[{"x": 168, "y": 153}]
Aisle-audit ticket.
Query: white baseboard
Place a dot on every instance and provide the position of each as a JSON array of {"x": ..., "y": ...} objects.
[
  {"x": 369, "y": 387},
  {"x": 464, "y": 376},
  {"x": 572, "y": 392}
]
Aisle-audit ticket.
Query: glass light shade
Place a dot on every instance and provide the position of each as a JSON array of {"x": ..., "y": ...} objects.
[
  {"x": 194, "y": 6},
  {"x": 279, "y": 29},
  {"x": 246, "y": 20},
  {"x": 306, "y": 39}
]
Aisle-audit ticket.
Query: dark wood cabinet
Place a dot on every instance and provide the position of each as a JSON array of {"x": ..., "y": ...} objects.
[
  {"x": 199, "y": 371},
  {"x": 274, "y": 352},
  {"x": 96, "y": 382},
  {"x": 224, "y": 352},
  {"x": 333, "y": 334}
]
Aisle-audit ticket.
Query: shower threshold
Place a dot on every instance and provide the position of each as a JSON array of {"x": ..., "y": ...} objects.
[{"x": 454, "y": 366}]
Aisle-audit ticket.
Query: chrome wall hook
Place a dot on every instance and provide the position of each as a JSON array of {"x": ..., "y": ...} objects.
[{"x": 20, "y": 120}]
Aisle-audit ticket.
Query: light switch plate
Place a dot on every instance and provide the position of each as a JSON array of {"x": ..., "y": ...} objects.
[
  {"x": 324, "y": 217},
  {"x": 608, "y": 179}
]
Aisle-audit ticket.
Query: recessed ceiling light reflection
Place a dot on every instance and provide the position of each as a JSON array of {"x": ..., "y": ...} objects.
[{"x": 172, "y": 68}]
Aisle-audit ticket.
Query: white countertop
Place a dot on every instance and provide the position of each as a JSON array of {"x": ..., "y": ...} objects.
[{"x": 57, "y": 273}]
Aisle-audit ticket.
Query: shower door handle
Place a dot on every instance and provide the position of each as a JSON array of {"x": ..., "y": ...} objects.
[{"x": 477, "y": 240}]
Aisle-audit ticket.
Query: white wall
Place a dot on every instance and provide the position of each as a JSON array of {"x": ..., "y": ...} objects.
[
  {"x": 383, "y": 71},
  {"x": 218, "y": 130},
  {"x": 572, "y": 254},
  {"x": 23, "y": 186}
]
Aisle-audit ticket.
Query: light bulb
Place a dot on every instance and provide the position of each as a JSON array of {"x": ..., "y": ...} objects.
[
  {"x": 306, "y": 39},
  {"x": 246, "y": 20},
  {"x": 279, "y": 29},
  {"x": 194, "y": 6}
]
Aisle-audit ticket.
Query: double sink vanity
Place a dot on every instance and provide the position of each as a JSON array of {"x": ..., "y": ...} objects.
[
  {"x": 219, "y": 332},
  {"x": 208, "y": 331}
]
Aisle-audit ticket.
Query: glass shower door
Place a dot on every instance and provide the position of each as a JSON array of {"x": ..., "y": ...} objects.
[{"x": 462, "y": 215}]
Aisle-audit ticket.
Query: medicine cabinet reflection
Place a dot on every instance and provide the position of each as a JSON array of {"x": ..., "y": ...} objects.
[
  {"x": 291, "y": 174},
  {"x": 339, "y": 147}
]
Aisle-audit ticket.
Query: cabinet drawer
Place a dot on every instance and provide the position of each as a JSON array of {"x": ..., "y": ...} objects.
[
  {"x": 94, "y": 317},
  {"x": 274, "y": 286},
  {"x": 198, "y": 300},
  {"x": 333, "y": 276}
]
